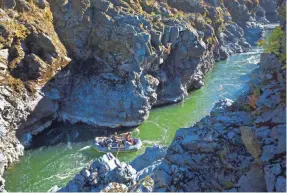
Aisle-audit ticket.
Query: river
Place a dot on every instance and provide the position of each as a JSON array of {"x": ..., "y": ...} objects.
[{"x": 46, "y": 166}]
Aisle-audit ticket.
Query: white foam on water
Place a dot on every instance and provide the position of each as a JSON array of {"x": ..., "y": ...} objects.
[
  {"x": 150, "y": 142},
  {"x": 85, "y": 148}
]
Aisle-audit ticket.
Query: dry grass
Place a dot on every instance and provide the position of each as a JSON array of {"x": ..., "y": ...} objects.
[
  {"x": 16, "y": 84},
  {"x": 179, "y": 14},
  {"x": 52, "y": 69},
  {"x": 21, "y": 32},
  {"x": 252, "y": 99},
  {"x": 31, "y": 87}
]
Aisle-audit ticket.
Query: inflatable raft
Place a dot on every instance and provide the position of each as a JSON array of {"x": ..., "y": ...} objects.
[{"x": 116, "y": 147}]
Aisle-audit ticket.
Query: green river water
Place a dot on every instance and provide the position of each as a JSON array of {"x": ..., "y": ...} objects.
[{"x": 43, "y": 167}]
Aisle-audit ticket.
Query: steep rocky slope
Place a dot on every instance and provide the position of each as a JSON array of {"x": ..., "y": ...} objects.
[
  {"x": 240, "y": 146},
  {"x": 132, "y": 55},
  {"x": 107, "y": 63},
  {"x": 234, "y": 148},
  {"x": 30, "y": 55}
]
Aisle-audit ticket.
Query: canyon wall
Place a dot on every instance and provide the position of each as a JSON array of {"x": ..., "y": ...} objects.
[
  {"x": 107, "y": 63},
  {"x": 239, "y": 147}
]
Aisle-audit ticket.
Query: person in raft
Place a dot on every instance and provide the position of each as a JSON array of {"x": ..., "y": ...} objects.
[
  {"x": 128, "y": 139},
  {"x": 116, "y": 137}
]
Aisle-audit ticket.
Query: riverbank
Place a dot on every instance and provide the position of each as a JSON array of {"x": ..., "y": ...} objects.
[
  {"x": 240, "y": 146},
  {"x": 63, "y": 61},
  {"x": 227, "y": 79}
]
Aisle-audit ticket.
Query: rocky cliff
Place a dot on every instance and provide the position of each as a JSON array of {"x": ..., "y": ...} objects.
[
  {"x": 30, "y": 56},
  {"x": 240, "y": 146},
  {"x": 107, "y": 63}
]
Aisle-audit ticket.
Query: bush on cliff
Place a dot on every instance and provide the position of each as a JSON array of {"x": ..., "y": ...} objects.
[{"x": 273, "y": 44}]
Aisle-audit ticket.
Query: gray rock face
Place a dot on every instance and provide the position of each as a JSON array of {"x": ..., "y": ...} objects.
[
  {"x": 270, "y": 5},
  {"x": 4, "y": 53},
  {"x": 261, "y": 15},
  {"x": 232, "y": 41},
  {"x": 239, "y": 11},
  {"x": 250, "y": 141},
  {"x": 247, "y": 29},
  {"x": 11, "y": 114},
  {"x": 43, "y": 4},
  {"x": 2, "y": 184},
  {"x": 228, "y": 150},
  {"x": 190, "y": 155},
  {"x": 253, "y": 32},
  {"x": 109, "y": 174},
  {"x": 124, "y": 63},
  {"x": 147, "y": 162},
  {"x": 252, "y": 181},
  {"x": 151, "y": 155},
  {"x": 106, "y": 173},
  {"x": 222, "y": 143},
  {"x": 281, "y": 184},
  {"x": 121, "y": 104},
  {"x": 8, "y": 4},
  {"x": 130, "y": 68},
  {"x": 225, "y": 151},
  {"x": 26, "y": 65},
  {"x": 271, "y": 173},
  {"x": 221, "y": 106}
]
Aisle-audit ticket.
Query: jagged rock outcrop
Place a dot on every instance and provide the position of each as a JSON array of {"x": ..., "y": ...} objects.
[
  {"x": 235, "y": 148},
  {"x": 124, "y": 63},
  {"x": 103, "y": 174},
  {"x": 30, "y": 55},
  {"x": 135, "y": 63},
  {"x": 268, "y": 6},
  {"x": 33, "y": 57},
  {"x": 140, "y": 61},
  {"x": 240, "y": 146},
  {"x": 12, "y": 108},
  {"x": 109, "y": 174},
  {"x": 105, "y": 63}
]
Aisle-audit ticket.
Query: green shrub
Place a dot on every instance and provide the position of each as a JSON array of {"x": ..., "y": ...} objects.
[
  {"x": 179, "y": 14},
  {"x": 228, "y": 185},
  {"x": 274, "y": 44}
]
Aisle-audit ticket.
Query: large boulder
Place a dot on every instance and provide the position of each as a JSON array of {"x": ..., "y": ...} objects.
[
  {"x": 252, "y": 181},
  {"x": 253, "y": 32},
  {"x": 127, "y": 68},
  {"x": 270, "y": 7},
  {"x": 106, "y": 173},
  {"x": 250, "y": 141}
]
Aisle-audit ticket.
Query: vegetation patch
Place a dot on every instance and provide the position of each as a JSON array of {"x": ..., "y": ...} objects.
[{"x": 274, "y": 44}]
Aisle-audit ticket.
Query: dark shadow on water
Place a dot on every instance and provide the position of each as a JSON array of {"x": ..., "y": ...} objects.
[
  {"x": 48, "y": 107},
  {"x": 60, "y": 132}
]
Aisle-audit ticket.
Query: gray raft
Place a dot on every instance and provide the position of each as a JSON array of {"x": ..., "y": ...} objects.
[{"x": 115, "y": 148}]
